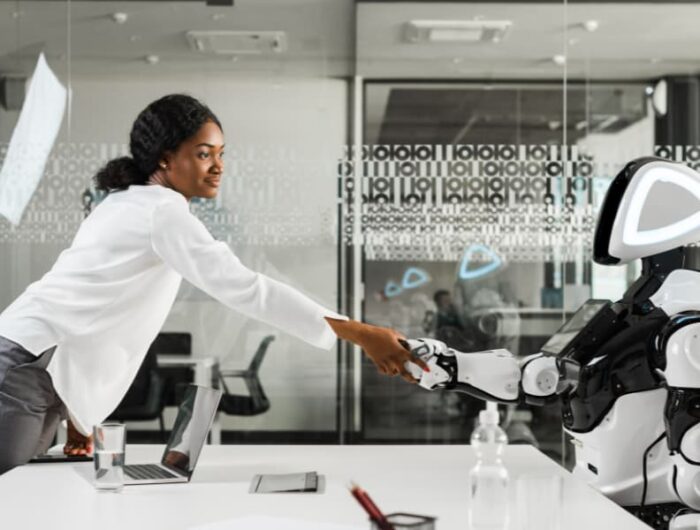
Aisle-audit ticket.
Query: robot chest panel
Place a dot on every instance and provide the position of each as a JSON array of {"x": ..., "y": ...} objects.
[{"x": 619, "y": 370}]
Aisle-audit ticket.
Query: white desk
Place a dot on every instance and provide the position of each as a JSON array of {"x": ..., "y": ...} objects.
[
  {"x": 204, "y": 372},
  {"x": 431, "y": 480}
]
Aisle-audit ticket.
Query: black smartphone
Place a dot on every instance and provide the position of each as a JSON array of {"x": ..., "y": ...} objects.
[{"x": 51, "y": 458}]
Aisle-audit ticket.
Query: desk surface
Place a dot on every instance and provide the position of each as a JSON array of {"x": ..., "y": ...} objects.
[{"x": 426, "y": 479}]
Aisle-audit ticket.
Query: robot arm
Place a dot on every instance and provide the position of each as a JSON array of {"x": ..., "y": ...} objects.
[{"x": 493, "y": 375}]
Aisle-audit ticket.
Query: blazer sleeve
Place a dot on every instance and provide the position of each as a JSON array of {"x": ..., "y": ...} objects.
[{"x": 185, "y": 244}]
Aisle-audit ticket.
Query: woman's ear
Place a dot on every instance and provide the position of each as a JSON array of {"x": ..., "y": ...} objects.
[{"x": 164, "y": 162}]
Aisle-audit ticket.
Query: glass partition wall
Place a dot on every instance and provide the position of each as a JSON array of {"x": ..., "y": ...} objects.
[
  {"x": 483, "y": 159},
  {"x": 433, "y": 167},
  {"x": 275, "y": 75}
]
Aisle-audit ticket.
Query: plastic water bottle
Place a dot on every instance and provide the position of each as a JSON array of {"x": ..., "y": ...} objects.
[{"x": 488, "y": 479}]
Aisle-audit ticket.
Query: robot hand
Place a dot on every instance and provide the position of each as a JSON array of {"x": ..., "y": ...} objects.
[
  {"x": 493, "y": 375},
  {"x": 439, "y": 358}
]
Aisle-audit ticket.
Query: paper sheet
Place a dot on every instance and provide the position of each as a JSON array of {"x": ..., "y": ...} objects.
[
  {"x": 32, "y": 141},
  {"x": 263, "y": 522}
]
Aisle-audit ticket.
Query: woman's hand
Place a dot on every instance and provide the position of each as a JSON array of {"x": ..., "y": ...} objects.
[
  {"x": 77, "y": 443},
  {"x": 382, "y": 345}
]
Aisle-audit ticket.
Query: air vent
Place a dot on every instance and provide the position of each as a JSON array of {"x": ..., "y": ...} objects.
[
  {"x": 456, "y": 30},
  {"x": 238, "y": 42}
]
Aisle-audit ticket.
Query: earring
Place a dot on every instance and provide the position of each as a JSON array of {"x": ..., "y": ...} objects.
[{"x": 164, "y": 166}]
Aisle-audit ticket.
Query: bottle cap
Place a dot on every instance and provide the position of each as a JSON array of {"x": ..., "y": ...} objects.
[{"x": 488, "y": 417}]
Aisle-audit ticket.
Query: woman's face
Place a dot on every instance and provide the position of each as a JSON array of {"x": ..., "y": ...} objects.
[{"x": 195, "y": 168}]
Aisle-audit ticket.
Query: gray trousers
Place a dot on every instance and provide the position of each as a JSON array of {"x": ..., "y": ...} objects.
[{"x": 30, "y": 409}]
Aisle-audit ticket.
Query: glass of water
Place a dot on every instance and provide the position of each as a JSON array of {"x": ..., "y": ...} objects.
[
  {"x": 109, "y": 441},
  {"x": 539, "y": 501}
]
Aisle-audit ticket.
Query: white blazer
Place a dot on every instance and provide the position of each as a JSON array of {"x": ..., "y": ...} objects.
[{"x": 107, "y": 296}]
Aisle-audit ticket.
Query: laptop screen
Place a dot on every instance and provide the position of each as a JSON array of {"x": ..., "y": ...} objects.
[{"x": 191, "y": 427}]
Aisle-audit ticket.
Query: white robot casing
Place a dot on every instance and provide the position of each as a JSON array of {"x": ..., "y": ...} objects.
[{"x": 629, "y": 376}]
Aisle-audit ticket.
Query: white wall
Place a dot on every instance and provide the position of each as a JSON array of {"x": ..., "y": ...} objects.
[{"x": 304, "y": 118}]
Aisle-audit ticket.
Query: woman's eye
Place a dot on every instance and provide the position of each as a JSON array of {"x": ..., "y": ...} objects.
[{"x": 203, "y": 155}]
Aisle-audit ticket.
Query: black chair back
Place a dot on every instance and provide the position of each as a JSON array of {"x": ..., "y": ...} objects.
[
  {"x": 173, "y": 343},
  {"x": 257, "y": 359},
  {"x": 144, "y": 399},
  {"x": 139, "y": 391},
  {"x": 175, "y": 378},
  {"x": 256, "y": 401}
]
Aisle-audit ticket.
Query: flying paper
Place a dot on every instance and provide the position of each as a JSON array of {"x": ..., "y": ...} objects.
[{"x": 32, "y": 141}]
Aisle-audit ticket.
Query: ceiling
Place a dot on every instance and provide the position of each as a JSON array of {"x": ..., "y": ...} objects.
[
  {"x": 320, "y": 37},
  {"x": 329, "y": 38},
  {"x": 633, "y": 41}
]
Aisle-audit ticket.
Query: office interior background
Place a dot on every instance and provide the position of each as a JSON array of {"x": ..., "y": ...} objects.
[{"x": 440, "y": 178}]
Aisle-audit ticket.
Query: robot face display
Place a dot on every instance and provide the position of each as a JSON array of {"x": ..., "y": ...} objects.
[{"x": 651, "y": 207}]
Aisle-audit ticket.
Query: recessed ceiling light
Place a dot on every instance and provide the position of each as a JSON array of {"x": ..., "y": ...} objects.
[
  {"x": 231, "y": 42},
  {"x": 590, "y": 25},
  {"x": 218, "y": 16},
  {"x": 559, "y": 60},
  {"x": 451, "y": 31},
  {"x": 152, "y": 59},
  {"x": 120, "y": 17}
]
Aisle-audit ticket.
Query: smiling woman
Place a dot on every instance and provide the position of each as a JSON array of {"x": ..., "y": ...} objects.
[
  {"x": 72, "y": 343},
  {"x": 176, "y": 142}
]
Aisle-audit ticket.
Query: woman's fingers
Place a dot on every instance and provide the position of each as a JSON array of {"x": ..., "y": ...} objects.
[
  {"x": 75, "y": 449},
  {"x": 413, "y": 358},
  {"x": 420, "y": 362},
  {"x": 407, "y": 375}
]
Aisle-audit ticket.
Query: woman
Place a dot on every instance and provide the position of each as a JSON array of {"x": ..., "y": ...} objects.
[{"x": 71, "y": 344}]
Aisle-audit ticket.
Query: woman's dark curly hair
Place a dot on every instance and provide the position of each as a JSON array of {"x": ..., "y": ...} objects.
[{"x": 160, "y": 127}]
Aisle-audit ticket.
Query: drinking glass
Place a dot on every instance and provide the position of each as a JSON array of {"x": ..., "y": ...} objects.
[
  {"x": 109, "y": 441},
  {"x": 539, "y": 500}
]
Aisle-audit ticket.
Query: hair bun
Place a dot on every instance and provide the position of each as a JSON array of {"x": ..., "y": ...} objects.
[{"x": 119, "y": 174}]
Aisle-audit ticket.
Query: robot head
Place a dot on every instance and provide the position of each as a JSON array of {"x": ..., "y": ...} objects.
[{"x": 652, "y": 206}]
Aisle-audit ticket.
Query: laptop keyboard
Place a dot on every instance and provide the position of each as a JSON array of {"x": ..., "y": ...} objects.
[{"x": 147, "y": 472}]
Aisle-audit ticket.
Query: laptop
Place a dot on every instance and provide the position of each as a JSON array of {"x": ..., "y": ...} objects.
[{"x": 194, "y": 418}]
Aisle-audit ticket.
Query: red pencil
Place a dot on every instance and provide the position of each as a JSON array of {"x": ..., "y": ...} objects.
[{"x": 370, "y": 507}]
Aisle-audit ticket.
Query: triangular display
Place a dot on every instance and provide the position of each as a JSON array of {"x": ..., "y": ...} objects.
[
  {"x": 493, "y": 262},
  {"x": 392, "y": 289},
  {"x": 646, "y": 209},
  {"x": 414, "y": 277}
]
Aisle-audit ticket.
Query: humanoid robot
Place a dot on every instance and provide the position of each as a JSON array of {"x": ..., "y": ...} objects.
[{"x": 627, "y": 373}]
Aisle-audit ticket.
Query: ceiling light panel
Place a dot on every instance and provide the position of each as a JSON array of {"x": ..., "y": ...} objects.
[
  {"x": 238, "y": 42},
  {"x": 456, "y": 31}
]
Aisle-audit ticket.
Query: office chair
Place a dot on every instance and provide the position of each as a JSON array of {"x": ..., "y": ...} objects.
[
  {"x": 144, "y": 399},
  {"x": 254, "y": 403},
  {"x": 175, "y": 378}
]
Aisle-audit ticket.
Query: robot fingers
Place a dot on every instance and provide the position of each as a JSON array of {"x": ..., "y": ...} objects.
[
  {"x": 413, "y": 369},
  {"x": 426, "y": 348},
  {"x": 437, "y": 377}
]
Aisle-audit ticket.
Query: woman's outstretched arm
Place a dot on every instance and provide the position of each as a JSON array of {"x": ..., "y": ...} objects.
[{"x": 382, "y": 345}]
